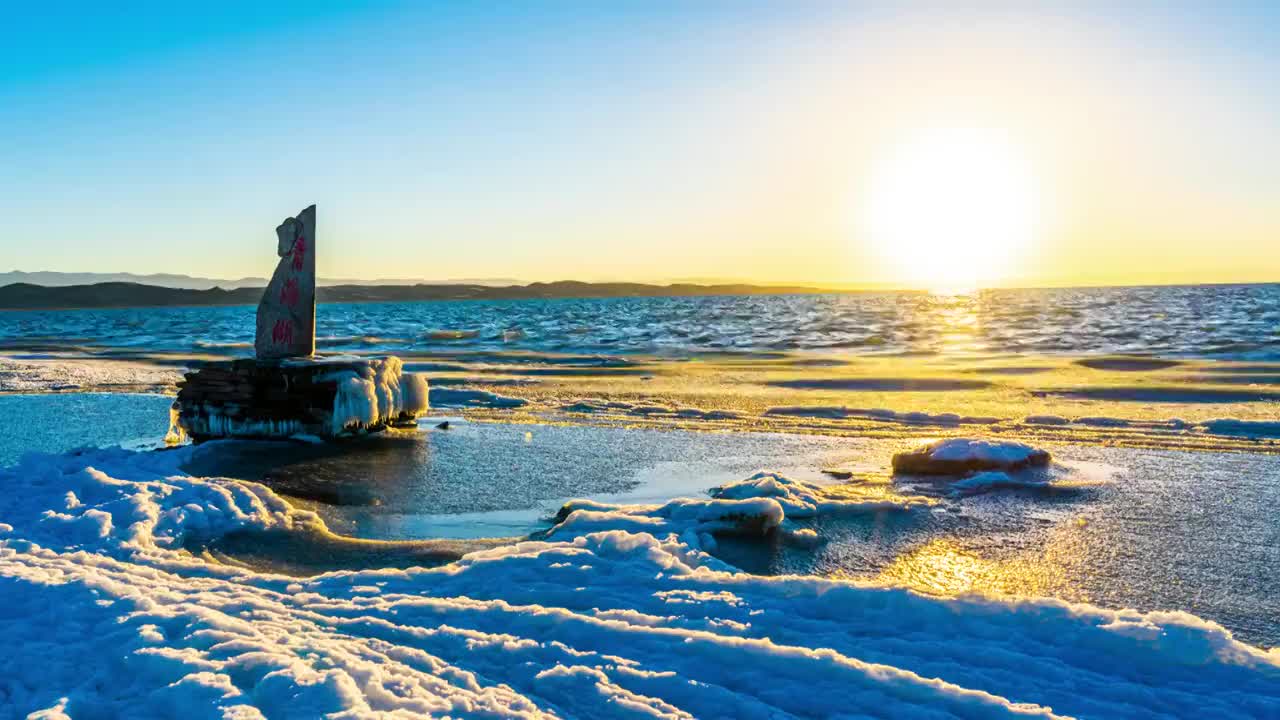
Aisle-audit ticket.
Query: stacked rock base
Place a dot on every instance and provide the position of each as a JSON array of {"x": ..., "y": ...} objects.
[{"x": 316, "y": 398}]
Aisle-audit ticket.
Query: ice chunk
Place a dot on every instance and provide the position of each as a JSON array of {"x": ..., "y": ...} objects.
[{"x": 958, "y": 456}]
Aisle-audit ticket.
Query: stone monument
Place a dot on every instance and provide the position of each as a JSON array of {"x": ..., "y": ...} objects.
[
  {"x": 287, "y": 311},
  {"x": 286, "y": 392}
]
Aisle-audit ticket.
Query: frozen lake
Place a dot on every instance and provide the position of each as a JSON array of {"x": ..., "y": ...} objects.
[{"x": 1146, "y": 529}]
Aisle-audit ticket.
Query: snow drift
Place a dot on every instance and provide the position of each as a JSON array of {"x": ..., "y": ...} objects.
[{"x": 107, "y": 609}]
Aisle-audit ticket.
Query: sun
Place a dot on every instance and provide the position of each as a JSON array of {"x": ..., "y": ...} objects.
[{"x": 951, "y": 209}]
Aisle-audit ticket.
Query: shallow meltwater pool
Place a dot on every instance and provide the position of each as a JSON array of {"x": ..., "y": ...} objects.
[
  {"x": 1146, "y": 529},
  {"x": 504, "y": 480},
  {"x": 54, "y": 423}
]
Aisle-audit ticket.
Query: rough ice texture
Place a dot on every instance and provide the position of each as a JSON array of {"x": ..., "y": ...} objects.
[
  {"x": 958, "y": 456},
  {"x": 882, "y": 414},
  {"x": 1046, "y": 420},
  {"x": 616, "y": 407},
  {"x": 286, "y": 325},
  {"x": 756, "y": 506},
  {"x": 1242, "y": 428},
  {"x": 325, "y": 398},
  {"x": 70, "y": 375},
  {"x": 108, "y": 609},
  {"x": 991, "y": 479}
]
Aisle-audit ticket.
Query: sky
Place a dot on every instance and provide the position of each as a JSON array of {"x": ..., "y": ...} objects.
[{"x": 646, "y": 141}]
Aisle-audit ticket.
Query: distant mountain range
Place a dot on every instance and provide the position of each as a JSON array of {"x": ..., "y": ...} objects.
[
  {"x": 29, "y": 296},
  {"x": 62, "y": 279}
]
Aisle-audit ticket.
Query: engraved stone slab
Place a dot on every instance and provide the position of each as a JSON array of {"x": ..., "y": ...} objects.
[{"x": 287, "y": 312}]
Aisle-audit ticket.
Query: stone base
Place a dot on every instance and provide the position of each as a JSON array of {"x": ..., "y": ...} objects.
[{"x": 324, "y": 398}]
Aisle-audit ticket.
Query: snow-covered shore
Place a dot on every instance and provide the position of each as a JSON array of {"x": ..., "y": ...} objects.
[{"x": 108, "y": 608}]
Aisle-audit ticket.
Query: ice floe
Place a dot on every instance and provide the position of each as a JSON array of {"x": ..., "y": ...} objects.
[{"x": 755, "y": 506}]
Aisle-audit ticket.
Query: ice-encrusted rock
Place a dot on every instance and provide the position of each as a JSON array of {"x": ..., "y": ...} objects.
[
  {"x": 287, "y": 311},
  {"x": 324, "y": 398},
  {"x": 960, "y": 456}
]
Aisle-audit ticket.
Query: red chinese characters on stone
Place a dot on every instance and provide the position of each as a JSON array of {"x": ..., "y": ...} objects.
[
  {"x": 282, "y": 333},
  {"x": 289, "y": 292},
  {"x": 299, "y": 252}
]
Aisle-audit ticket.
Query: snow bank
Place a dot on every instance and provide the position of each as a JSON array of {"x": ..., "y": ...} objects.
[
  {"x": 103, "y": 613},
  {"x": 958, "y": 456},
  {"x": 120, "y": 501}
]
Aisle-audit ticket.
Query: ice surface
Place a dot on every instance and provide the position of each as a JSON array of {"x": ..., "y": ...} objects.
[
  {"x": 884, "y": 414},
  {"x": 459, "y": 398},
  {"x": 108, "y": 609},
  {"x": 66, "y": 374},
  {"x": 616, "y": 407},
  {"x": 983, "y": 481},
  {"x": 1243, "y": 428},
  {"x": 754, "y": 507}
]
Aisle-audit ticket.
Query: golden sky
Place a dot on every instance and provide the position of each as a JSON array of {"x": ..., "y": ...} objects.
[{"x": 783, "y": 143}]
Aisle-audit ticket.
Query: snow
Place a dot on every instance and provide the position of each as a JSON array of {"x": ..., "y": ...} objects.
[
  {"x": 988, "y": 451},
  {"x": 109, "y": 607}
]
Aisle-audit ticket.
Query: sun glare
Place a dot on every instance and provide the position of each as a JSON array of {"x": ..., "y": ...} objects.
[{"x": 952, "y": 209}]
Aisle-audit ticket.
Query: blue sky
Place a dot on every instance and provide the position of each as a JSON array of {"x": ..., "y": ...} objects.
[{"x": 620, "y": 140}]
